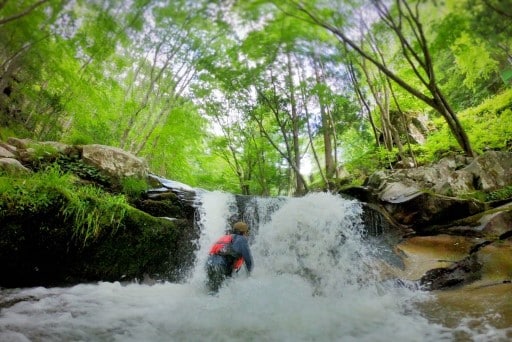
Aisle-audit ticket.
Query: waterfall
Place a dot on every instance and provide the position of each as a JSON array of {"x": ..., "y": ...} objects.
[{"x": 316, "y": 278}]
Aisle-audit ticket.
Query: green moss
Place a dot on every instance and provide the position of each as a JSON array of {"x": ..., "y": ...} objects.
[
  {"x": 477, "y": 195},
  {"x": 92, "y": 210},
  {"x": 43, "y": 151},
  {"x": 89, "y": 208},
  {"x": 32, "y": 192},
  {"x": 58, "y": 229},
  {"x": 501, "y": 194},
  {"x": 497, "y": 195},
  {"x": 134, "y": 187},
  {"x": 140, "y": 246}
]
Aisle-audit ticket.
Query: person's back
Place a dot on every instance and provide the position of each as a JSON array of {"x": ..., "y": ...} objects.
[{"x": 228, "y": 254}]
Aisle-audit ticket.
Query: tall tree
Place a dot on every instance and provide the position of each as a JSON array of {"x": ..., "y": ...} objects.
[
  {"x": 405, "y": 23},
  {"x": 26, "y": 43}
]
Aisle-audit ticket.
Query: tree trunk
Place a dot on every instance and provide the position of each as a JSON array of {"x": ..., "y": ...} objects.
[
  {"x": 330, "y": 167},
  {"x": 300, "y": 184}
]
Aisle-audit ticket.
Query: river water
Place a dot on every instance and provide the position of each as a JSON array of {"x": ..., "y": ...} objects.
[{"x": 317, "y": 277}]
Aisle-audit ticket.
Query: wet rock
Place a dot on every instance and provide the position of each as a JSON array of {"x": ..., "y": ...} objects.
[
  {"x": 491, "y": 263},
  {"x": 496, "y": 260},
  {"x": 423, "y": 253},
  {"x": 458, "y": 274},
  {"x": 422, "y": 209}
]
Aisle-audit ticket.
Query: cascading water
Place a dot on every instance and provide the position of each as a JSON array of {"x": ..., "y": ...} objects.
[{"x": 315, "y": 279}]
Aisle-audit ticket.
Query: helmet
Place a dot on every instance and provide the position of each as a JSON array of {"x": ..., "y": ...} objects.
[{"x": 241, "y": 227}]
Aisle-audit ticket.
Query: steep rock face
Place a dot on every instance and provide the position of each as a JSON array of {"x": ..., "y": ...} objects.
[{"x": 39, "y": 249}]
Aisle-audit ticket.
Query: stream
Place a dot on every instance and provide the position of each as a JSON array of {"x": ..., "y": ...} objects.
[{"x": 317, "y": 277}]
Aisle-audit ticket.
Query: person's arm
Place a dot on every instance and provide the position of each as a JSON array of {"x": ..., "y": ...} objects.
[{"x": 241, "y": 246}]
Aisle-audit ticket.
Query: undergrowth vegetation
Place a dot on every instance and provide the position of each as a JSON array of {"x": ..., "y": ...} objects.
[
  {"x": 89, "y": 208},
  {"x": 133, "y": 187},
  {"x": 488, "y": 125},
  {"x": 500, "y": 194}
]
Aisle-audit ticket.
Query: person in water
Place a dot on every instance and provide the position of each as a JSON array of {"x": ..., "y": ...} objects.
[{"x": 228, "y": 254}]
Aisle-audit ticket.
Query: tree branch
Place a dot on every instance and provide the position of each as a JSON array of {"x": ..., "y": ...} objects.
[{"x": 29, "y": 9}]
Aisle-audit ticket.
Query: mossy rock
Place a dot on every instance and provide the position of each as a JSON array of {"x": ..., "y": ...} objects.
[
  {"x": 143, "y": 246},
  {"x": 41, "y": 249}
]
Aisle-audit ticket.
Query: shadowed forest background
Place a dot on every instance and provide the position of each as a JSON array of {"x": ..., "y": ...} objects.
[{"x": 261, "y": 97}]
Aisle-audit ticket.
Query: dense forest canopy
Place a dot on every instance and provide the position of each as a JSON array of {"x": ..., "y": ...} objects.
[{"x": 260, "y": 96}]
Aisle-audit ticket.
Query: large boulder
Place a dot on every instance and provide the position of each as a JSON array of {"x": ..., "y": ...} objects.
[
  {"x": 41, "y": 249},
  {"x": 424, "y": 209},
  {"x": 451, "y": 176},
  {"x": 114, "y": 162},
  {"x": 12, "y": 166},
  {"x": 5, "y": 153},
  {"x": 491, "y": 171},
  {"x": 111, "y": 162}
]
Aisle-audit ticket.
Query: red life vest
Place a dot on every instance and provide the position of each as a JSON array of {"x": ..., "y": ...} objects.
[{"x": 221, "y": 247}]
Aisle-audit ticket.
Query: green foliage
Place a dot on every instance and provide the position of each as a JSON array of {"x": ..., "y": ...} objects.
[
  {"x": 32, "y": 192},
  {"x": 7, "y": 132},
  {"x": 42, "y": 152},
  {"x": 78, "y": 167},
  {"x": 473, "y": 59},
  {"x": 500, "y": 194},
  {"x": 469, "y": 44},
  {"x": 144, "y": 76},
  {"x": 176, "y": 148},
  {"x": 90, "y": 209},
  {"x": 133, "y": 187},
  {"x": 488, "y": 125},
  {"x": 359, "y": 156},
  {"x": 25, "y": 50},
  {"x": 497, "y": 195},
  {"x": 79, "y": 138}
]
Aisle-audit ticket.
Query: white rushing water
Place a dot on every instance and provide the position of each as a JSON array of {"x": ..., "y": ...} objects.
[{"x": 313, "y": 280}]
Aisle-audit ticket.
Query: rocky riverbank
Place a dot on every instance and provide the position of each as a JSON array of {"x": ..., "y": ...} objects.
[{"x": 456, "y": 215}]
